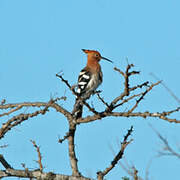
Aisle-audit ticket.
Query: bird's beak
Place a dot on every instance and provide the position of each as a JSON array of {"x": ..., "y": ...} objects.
[{"x": 106, "y": 59}]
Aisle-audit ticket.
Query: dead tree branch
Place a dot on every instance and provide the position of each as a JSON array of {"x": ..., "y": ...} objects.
[
  {"x": 101, "y": 174},
  {"x": 72, "y": 154},
  {"x": 37, "y": 175},
  {"x": 167, "y": 88},
  {"x": 127, "y": 89},
  {"x": 130, "y": 170},
  {"x": 128, "y": 95},
  {"x": 11, "y": 111},
  {"x": 52, "y": 103},
  {"x": 102, "y": 100},
  {"x": 142, "y": 96},
  {"x": 39, "y": 161},
  {"x": 167, "y": 150},
  {"x": 16, "y": 120},
  {"x": 126, "y": 76},
  {"x": 60, "y": 140},
  {"x": 162, "y": 115},
  {"x": 4, "y": 162}
]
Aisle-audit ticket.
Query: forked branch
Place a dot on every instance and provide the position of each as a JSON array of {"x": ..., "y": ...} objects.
[
  {"x": 101, "y": 174},
  {"x": 39, "y": 161}
]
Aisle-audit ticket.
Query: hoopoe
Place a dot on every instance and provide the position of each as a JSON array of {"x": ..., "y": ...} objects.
[{"x": 89, "y": 79}]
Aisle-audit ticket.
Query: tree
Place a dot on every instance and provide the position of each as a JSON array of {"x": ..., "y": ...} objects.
[{"x": 111, "y": 109}]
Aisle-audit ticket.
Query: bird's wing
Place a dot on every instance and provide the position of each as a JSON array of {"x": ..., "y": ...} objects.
[{"x": 83, "y": 80}]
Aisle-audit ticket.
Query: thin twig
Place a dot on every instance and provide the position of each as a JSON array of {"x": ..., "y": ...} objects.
[
  {"x": 11, "y": 111},
  {"x": 142, "y": 96},
  {"x": 145, "y": 84},
  {"x": 65, "y": 81},
  {"x": 131, "y": 170},
  {"x": 64, "y": 138},
  {"x": 167, "y": 88},
  {"x": 127, "y": 100},
  {"x": 118, "y": 70},
  {"x": 127, "y": 89},
  {"x": 167, "y": 150},
  {"x": 52, "y": 103},
  {"x": 101, "y": 174},
  {"x": 16, "y": 120},
  {"x": 39, "y": 161},
  {"x": 160, "y": 115},
  {"x": 102, "y": 100}
]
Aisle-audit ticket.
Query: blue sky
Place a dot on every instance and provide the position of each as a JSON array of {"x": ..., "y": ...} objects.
[{"x": 39, "y": 38}]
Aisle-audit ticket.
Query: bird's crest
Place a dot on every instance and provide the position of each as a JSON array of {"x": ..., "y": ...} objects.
[{"x": 90, "y": 51}]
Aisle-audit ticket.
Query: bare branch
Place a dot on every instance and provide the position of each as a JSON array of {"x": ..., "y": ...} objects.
[
  {"x": 127, "y": 168},
  {"x": 101, "y": 174},
  {"x": 128, "y": 134},
  {"x": 11, "y": 111},
  {"x": 126, "y": 77},
  {"x": 52, "y": 103},
  {"x": 102, "y": 100},
  {"x": 130, "y": 170},
  {"x": 167, "y": 88},
  {"x": 72, "y": 154},
  {"x": 18, "y": 106},
  {"x": 162, "y": 115},
  {"x": 65, "y": 81},
  {"x": 39, "y": 155},
  {"x": 64, "y": 138},
  {"x": 167, "y": 150},
  {"x": 126, "y": 100},
  {"x": 38, "y": 175},
  {"x": 4, "y": 162},
  {"x": 89, "y": 107},
  {"x": 145, "y": 84},
  {"x": 126, "y": 96},
  {"x": 118, "y": 70},
  {"x": 16, "y": 120},
  {"x": 142, "y": 96},
  {"x": 127, "y": 89}
]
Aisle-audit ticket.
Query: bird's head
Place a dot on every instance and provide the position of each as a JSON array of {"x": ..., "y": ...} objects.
[{"x": 95, "y": 55}]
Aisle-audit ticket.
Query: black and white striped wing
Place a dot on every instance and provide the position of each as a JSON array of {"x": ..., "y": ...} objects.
[{"x": 83, "y": 80}]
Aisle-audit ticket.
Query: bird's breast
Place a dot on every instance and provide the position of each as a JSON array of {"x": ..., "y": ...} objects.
[{"x": 95, "y": 81}]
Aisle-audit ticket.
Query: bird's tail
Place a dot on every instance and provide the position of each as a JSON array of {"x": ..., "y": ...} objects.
[{"x": 78, "y": 108}]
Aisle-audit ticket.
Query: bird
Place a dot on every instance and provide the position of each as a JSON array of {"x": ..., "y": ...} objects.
[{"x": 89, "y": 80}]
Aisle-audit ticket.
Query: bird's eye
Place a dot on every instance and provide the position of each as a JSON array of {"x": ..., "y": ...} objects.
[{"x": 96, "y": 55}]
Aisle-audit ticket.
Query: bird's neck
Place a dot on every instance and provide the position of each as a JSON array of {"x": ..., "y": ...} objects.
[{"x": 93, "y": 65}]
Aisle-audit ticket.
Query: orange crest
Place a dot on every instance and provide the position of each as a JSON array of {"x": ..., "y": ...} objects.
[{"x": 87, "y": 51}]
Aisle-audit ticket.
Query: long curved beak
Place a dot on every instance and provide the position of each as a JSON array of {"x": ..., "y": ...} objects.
[{"x": 106, "y": 59}]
